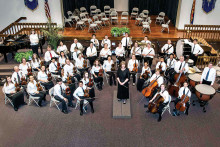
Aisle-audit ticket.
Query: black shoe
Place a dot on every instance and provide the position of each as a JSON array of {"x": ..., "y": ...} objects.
[
  {"x": 40, "y": 105},
  {"x": 81, "y": 113},
  {"x": 71, "y": 106},
  {"x": 16, "y": 109},
  {"x": 147, "y": 111},
  {"x": 119, "y": 100},
  {"x": 65, "y": 111},
  {"x": 24, "y": 103},
  {"x": 186, "y": 112},
  {"x": 159, "y": 119},
  {"x": 92, "y": 110},
  {"x": 145, "y": 105},
  {"x": 115, "y": 83}
]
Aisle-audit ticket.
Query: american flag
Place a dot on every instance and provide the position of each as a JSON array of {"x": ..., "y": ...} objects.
[{"x": 47, "y": 9}]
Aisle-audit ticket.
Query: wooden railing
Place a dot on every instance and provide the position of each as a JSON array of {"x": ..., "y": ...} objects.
[
  {"x": 208, "y": 32},
  {"x": 203, "y": 61}
]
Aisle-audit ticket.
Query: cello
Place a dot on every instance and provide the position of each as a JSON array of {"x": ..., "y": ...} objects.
[
  {"x": 148, "y": 91},
  {"x": 181, "y": 105},
  {"x": 154, "y": 105}
]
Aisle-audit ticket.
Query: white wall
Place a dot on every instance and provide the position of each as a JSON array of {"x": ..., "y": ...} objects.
[
  {"x": 11, "y": 10},
  {"x": 200, "y": 17},
  {"x": 121, "y": 5}
]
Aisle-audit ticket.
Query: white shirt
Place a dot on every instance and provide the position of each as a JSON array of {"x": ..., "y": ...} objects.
[
  {"x": 91, "y": 51},
  {"x": 62, "y": 48},
  {"x": 62, "y": 61},
  {"x": 24, "y": 68},
  {"x": 79, "y": 62},
  {"x": 165, "y": 47},
  {"x": 137, "y": 51},
  {"x": 47, "y": 57},
  {"x": 53, "y": 66},
  {"x": 171, "y": 63},
  {"x": 35, "y": 64},
  {"x": 147, "y": 41},
  {"x": 212, "y": 74},
  {"x": 94, "y": 42},
  {"x": 108, "y": 65},
  {"x": 10, "y": 88},
  {"x": 68, "y": 68},
  {"x": 123, "y": 41},
  {"x": 163, "y": 64},
  {"x": 120, "y": 51},
  {"x": 75, "y": 54},
  {"x": 186, "y": 90},
  {"x": 14, "y": 76},
  {"x": 79, "y": 46},
  {"x": 85, "y": 82},
  {"x": 42, "y": 76},
  {"x": 78, "y": 92},
  {"x": 104, "y": 53},
  {"x": 159, "y": 80},
  {"x": 177, "y": 66},
  {"x": 165, "y": 95},
  {"x": 104, "y": 41},
  {"x": 147, "y": 69},
  {"x": 57, "y": 90},
  {"x": 34, "y": 39},
  {"x": 32, "y": 88},
  {"x": 95, "y": 69},
  {"x": 131, "y": 64},
  {"x": 148, "y": 51},
  {"x": 195, "y": 48}
]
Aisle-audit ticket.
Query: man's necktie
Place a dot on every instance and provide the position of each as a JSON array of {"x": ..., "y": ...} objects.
[
  {"x": 61, "y": 90},
  {"x": 76, "y": 46},
  {"x": 126, "y": 42},
  {"x": 184, "y": 91},
  {"x": 51, "y": 55},
  {"x": 18, "y": 77},
  {"x": 193, "y": 48},
  {"x": 180, "y": 66},
  {"x": 207, "y": 75},
  {"x": 55, "y": 65}
]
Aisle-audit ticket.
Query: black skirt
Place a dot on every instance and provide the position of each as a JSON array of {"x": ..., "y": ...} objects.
[{"x": 123, "y": 90}]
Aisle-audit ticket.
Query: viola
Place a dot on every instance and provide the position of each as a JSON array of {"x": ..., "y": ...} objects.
[
  {"x": 68, "y": 79},
  {"x": 148, "y": 91},
  {"x": 86, "y": 93},
  {"x": 84, "y": 63},
  {"x": 41, "y": 63},
  {"x": 74, "y": 70},
  {"x": 90, "y": 84},
  {"x": 68, "y": 91},
  {"x": 29, "y": 71},
  {"x": 181, "y": 105},
  {"x": 154, "y": 105},
  {"x": 145, "y": 75},
  {"x": 58, "y": 66},
  {"x": 39, "y": 87},
  {"x": 17, "y": 87},
  {"x": 100, "y": 73},
  {"x": 135, "y": 68},
  {"x": 49, "y": 77}
]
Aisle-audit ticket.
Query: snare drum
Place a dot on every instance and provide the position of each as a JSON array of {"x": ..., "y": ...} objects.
[
  {"x": 204, "y": 92},
  {"x": 190, "y": 62},
  {"x": 194, "y": 79}
]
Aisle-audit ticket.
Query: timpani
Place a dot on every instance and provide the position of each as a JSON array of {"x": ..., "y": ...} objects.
[{"x": 194, "y": 79}]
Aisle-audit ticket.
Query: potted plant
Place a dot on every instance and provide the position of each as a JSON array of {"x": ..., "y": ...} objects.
[
  {"x": 124, "y": 30},
  {"x": 115, "y": 31},
  {"x": 52, "y": 34},
  {"x": 27, "y": 55}
]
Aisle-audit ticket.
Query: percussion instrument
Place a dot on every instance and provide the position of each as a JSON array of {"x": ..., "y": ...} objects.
[
  {"x": 190, "y": 62},
  {"x": 216, "y": 68},
  {"x": 154, "y": 105},
  {"x": 182, "y": 48},
  {"x": 194, "y": 79},
  {"x": 204, "y": 92},
  {"x": 191, "y": 70}
]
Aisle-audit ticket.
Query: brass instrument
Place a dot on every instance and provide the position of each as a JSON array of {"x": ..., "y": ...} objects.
[{"x": 130, "y": 43}]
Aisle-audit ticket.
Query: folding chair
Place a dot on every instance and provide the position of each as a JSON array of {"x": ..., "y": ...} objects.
[
  {"x": 7, "y": 99},
  {"x": 165, "y": 26},
  {"x": 84, "y": 105},
  {"x": 160, "y": 18},
  {"x": 33, "y": 98},
  {"x": 53, "y": 100},
  {"x": 124, "y": 17},
  {"x": 134, "y": 12},
  {"x": 167, "y": 107}
]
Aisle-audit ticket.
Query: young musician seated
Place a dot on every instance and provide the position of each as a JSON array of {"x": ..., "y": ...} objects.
[
  {"x": 208, "y": 75},
  {"x": 79, "y": 95},
  {"x": 146, "y": 40},
  {"x": 53, "y": 67},
  {"x": 60, "y": 95},
  {"x": 145, "y": 75},
  {"x": 170, "y": 66},
  {"x": 107, "y": 66},
  {"x": 35, "y": 62},
  {"x": 132, "y": 63},
  {"x": 75, "y": 53},
  {"x": 167, "y": 49},
  {"x": 32, "y": 89},
  {"x": 75, "y": 48},
  {"x": 126, "y": 42},
  {"x": 91, "y": 53},
  {"x": 196, "y": 50},
  {"x": 183, "y": 91},
  {"x": 17, "y": 75},
  {"x": 161, "y": 65},
  {"x": 137, "y": 51},
  {"x": 86, "y": 85},
  {"x": 43, "y": 78},
  {"x": 106, "y": 41},
  {"x": 24, "y": 66},
  {"x": 95, "y": 41},
  {"x": 49, "y": 55},
  {"x": 17, "y": 97},
  {"x": 62, "y": 59},
  {"x": 104, "y": 53},
  {"x": 95, "y": 72},
  {"x": 70, "y": 70},
  {"x": 62, "y": 48},
  {"x": 120, "y": 53},
  {"x": 148, "y": 54},
  {"x": 80, "y": 64},
  {"x": 164, "y": 93}
]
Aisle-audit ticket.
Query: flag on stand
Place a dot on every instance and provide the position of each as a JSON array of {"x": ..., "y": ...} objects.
[
  {"x": 47, "y": 9},
  {"x": 192, "y": 12}
]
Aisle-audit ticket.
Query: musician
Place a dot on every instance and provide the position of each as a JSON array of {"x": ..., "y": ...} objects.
[
  {"x": 123, "y": 87},
  {"x": 16, "y": 76},
  {"x": 79, "y": 64},
  {"x": 208, "y": 75},
  {"x": 79, "y": 95},
  {"x": 120, "y": 53},
  {"x": 61, "y": 96},
  {"x": 95, "y": 71},
  {"x": 24, "y": 66},
  {"x": 164, "y": 93},
  {"x": 75, "y": 45},
  {"x": 148, "y": 54},
  {"x": 53, "y": 67},
  {"x": 49, "y": 55},
  {"x": 62, "y": 48},
  {"x": 183, "y": 91},
  {"x": 106, "y": 40},
  {"x": 17, "y": 98},
  {"x": 75, "y": 53},
  {"x": 161, "y": 65},
  {"x": 104, "y": 53},
  {"x": 146, "y": 40},
  {"x": 43, "y": 78},
  {"x": 68, "y": 70},
  {"x": 85, "y": 81},
  {"x": 145, "y": 70},
  {"x": 196, "y": 50},
  {"x": 62, "y": 59},
  {"x": 95, "y": 41},
  {"x": 107, "y": 67},
  {"x": 137, "y": 51},
  {"x": 170, "y": 66},
  {"x": 35, "y": 62},
  {"x": 167, "y": 49},
  {"x": 91, "y": 53},
  {"x": 34, "y": 40},
  {"x": 131, "y": 64},
  {"x": 33, "y": 91},
  {"x": 126, "y": 42}
]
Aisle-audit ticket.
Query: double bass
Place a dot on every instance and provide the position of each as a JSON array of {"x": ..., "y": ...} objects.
[
  {"x": 181, "y": 105},
  {"x": 148, "y": 91},
  {"x": 154, "y": 105}
]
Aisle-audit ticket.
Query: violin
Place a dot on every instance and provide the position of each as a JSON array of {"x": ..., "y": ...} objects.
[
  {"x": 41, "y": 63},
  {"x": 29, "y": 71},
  {"x": 86, "y": 93},
  {"x": 84, "y": 63},
  {"x": 17, "y": 87},
  {"x": 23, "y": 81},
  {"x": 74, "y": 70},
  {"x": 68, "y": 79},
  {"x": 39, "y": 87},
  {"x": 181, "y": 105},
  {"x": 49, "y": 77},
  {"x": 68, "y": 91},
  {"x": 145, "y": 75},
  {"x": 90, "y": 84},
  {"x": 100, "y": 73},
  {"x": 148, "y": 91},
  {"x": 58, "y": 66},
  {"x": 135, "y": 68},
  {"x": 154, "y": 105}
]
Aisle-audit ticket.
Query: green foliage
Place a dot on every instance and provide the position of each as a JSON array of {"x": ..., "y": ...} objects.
[
  {"x": 18, "y": 56},
  {"x": 51, "y": 33},
  {"x": 125, "y": 29},
  {"x": 115, "y": 31}
]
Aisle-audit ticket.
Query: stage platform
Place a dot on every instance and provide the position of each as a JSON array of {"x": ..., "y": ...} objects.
[{"x": 135, "y": 31}]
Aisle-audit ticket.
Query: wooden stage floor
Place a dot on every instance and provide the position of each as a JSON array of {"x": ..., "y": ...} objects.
[{"x": 135, "y": 31}]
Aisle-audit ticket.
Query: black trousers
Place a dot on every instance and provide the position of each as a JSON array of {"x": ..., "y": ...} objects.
[
  {"x": 138, "y": 57},
  {"x": 42, "y": 95},
  {"x": 47, "y": 85},
  {"x": 111, "y": 77},
  {"x": 57, "y": 73},
  {"x": 133, "y": 76},
  {"x": 82, "y": 70},
  {"x": 194, "y": 58},
  {"x": 35, "y": 49},
  {"x": 120, "y": 59},
  {"x": 92, "y": 60},
  {"x": 148, "y": 60},
  {"x": 82, "y": 102},
  {"x": 102, "y": 59},
  {"x": 206, "y": 82},
  {"x": 177, "y": 100},
  {"x": 17, "y": 98},
  {"x": 98, "y": 80},
  {"x": 64, "y": 107},
  {"x": 160, "y": 109}
]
